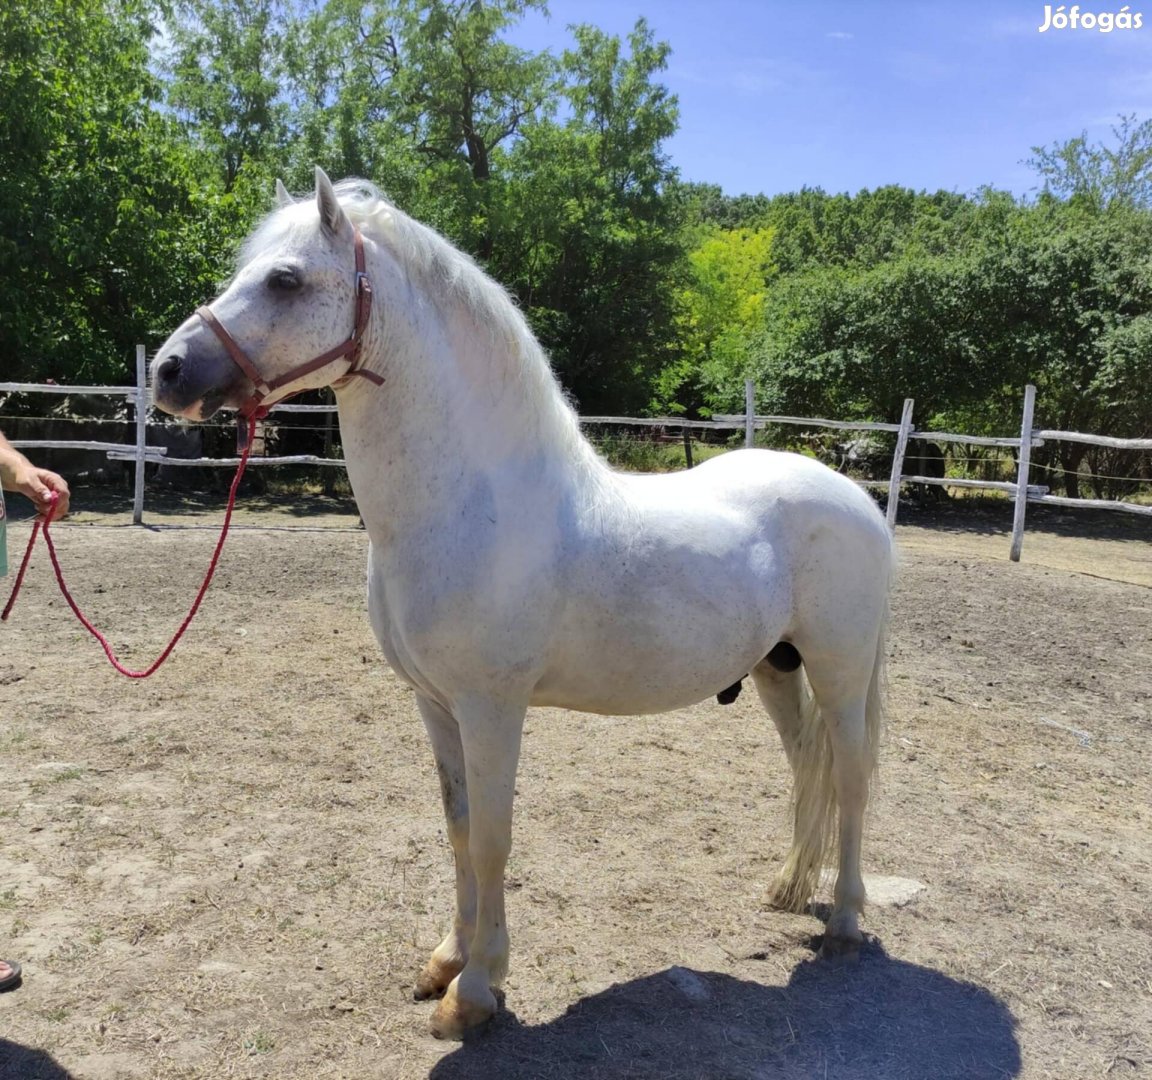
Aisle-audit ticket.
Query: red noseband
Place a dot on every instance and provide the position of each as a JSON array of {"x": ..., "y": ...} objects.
[{"x": 262, "y": 388}]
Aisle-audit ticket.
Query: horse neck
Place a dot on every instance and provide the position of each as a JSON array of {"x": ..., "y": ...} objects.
[{"x": 459, "y": 401}]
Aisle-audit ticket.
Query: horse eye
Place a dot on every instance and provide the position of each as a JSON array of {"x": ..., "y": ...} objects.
[{"x": 283, "y": 281}]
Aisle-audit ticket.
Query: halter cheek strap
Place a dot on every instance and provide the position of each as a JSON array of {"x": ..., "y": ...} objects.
[{"x": 254, "y": 408}]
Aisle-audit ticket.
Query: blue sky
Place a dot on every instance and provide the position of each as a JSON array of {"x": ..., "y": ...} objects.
[{"x": 847, "y": 95}]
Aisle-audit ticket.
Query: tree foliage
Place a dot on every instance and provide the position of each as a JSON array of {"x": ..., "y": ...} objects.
[
  {"x": 1098, "y": 174},
  {"x": 99, "y": 223},
  {"x": 591, "y": 242},
  {"x": 720, "y": 312},
  {"x": 140, "y": 139},
  {"x": 1045, "y": 294},
  {"x": 225, "y": 69}
]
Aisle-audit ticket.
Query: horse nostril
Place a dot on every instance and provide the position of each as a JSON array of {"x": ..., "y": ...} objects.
[{"x": 169, "y": 370}]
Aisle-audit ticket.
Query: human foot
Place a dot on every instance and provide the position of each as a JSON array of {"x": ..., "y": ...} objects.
[{"x": 9, "y": 975}]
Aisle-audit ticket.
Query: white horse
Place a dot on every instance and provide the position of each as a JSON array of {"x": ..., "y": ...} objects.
[{"x": 509, "y": 566}]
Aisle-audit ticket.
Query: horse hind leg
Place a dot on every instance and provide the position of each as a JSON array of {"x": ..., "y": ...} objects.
[
  {"x": 829, "y": 718},
  {"x": 788, "y": 699},
  {"x": 782, "y": 694},
  {"x": 853, "y": 761},
  {"x": 840, "y": 733}
]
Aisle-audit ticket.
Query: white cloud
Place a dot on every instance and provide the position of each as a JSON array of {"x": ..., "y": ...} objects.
[
  {"x": 840, "y": 35},
  {"x": 752, "y": 76}
]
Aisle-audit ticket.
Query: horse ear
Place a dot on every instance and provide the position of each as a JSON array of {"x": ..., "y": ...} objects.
[
  {"x": 282, "y": 196},
  {"x": 332, "y": 216}
]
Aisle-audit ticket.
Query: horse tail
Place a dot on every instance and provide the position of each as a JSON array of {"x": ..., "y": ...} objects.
[
  {"x": 876, "y": 709},
  {"x": 814, "y": 808}
]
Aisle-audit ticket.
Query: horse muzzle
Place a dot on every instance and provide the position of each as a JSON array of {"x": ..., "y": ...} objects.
[{"x": 193, "y": 377}]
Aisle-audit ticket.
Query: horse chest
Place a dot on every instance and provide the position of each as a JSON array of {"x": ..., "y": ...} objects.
[{"x": 445, "y": 620}]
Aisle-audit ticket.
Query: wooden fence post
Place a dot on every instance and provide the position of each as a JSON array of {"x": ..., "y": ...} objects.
[
  {"x": 687, "y": 448},
  {"x": 329, "y": 486},
  {"x": 749, "y": 413},
  {"x": 1022, "y": 471},
  {"x": 898, "y": 461},
  {"x": 141, "y": 431}
]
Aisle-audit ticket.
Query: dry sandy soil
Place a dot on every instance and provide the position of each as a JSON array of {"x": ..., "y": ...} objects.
[{"x": 236, "y": 868}]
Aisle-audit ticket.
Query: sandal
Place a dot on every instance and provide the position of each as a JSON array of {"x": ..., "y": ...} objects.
[{"x": 12, "y": 979}]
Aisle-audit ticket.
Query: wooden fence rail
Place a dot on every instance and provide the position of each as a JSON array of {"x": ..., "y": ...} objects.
[
  {"x": 749, "y": 421},
  {"x": 1021, "y": 490}
]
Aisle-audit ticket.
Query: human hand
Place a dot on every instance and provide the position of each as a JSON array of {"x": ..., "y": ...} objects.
[{"x": 38, "y": 485}]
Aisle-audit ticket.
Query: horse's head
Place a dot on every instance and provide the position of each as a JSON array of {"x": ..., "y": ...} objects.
[{"x": 294, "y": 299}]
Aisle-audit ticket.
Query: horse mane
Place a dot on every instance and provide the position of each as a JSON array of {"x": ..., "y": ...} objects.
[{"x": 452, "y": 276}]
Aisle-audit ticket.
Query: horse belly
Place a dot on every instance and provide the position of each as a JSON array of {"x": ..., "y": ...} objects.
[
  {"x": 627, "y": 680},
  {"x": 653, "y": 654},
  {"x": 632, "y": 697}
]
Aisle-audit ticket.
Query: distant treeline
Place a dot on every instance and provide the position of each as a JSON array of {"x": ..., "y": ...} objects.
[{"x": 139, "y": 140}]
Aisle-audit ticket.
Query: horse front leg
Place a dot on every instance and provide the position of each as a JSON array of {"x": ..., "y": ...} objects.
[
  {"x": 450, "y": 956},
  {"x": 490, "y": 733}
]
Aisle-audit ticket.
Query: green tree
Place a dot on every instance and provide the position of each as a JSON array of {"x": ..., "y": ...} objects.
[
  {"x": 93, "y": 252},
  {"x": 224, "y": 69},
  {"x": 426, "y": 97},
  {"x": 1045, "y": 294},
  {"x": 720, "y": 311},
  {"x": 551, "y": 171},
  {"x": 1097, "y": 174},
  {"x": 594, "y": 245}
]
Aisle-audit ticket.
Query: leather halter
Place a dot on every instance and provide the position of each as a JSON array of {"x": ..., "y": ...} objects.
[{"x": 262, "y": 388}]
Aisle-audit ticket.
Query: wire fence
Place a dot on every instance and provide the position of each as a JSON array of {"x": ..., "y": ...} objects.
[{"x": 927, "y": 459}]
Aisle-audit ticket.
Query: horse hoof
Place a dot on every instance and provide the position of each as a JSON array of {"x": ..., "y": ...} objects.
[
  {"x": 454, "y": 1017},
  {"x": 427, "y": 987},
  {"x": 434, "y": 980}
]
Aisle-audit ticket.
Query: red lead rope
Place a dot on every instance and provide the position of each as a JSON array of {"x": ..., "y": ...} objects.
[{"x": 47, "y": 521}]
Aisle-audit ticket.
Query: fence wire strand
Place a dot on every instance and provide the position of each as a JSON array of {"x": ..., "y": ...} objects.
[{"x": 612, "y": 436}]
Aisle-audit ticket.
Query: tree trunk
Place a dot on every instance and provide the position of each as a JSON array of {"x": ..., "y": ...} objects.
[
  {"x": 478, "y": 162},
  {"x": 1071, "y": 454}
]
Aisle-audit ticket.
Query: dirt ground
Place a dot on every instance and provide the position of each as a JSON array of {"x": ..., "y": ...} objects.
[{"x": 236, "y": 868}]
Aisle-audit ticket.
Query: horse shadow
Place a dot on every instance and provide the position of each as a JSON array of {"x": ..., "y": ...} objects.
[
  {"x": 876, "y": 1019},
  {"x": 26, "y": 1063}
]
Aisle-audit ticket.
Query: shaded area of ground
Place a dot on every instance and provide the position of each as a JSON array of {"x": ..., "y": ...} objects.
[
  {"x": 22, "y": 1063},
  {"x": 876, "y": 1018}
]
